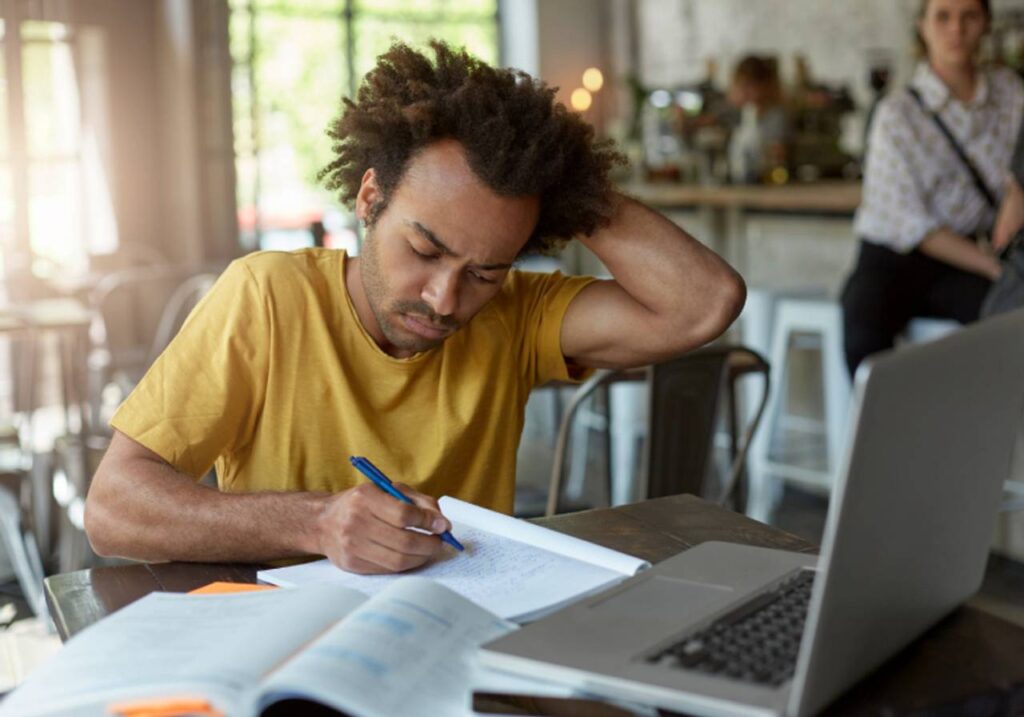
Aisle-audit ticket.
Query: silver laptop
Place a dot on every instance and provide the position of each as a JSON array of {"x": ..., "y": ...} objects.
[{"x": 724, "y": 629}]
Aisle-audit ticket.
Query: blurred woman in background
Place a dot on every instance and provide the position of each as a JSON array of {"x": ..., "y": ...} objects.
[{"x": 924, "y": 207}]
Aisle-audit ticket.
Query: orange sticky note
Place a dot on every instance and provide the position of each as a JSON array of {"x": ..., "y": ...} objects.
[
  {"x": 220, "y": 588},
  {"x": 165, "y": 707}
]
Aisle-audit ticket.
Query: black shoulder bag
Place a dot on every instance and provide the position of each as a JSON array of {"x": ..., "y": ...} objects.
[{"x": 1007, "y": 292}]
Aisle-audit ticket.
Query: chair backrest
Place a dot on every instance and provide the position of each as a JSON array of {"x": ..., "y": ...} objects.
[
  {"x": 685, "y": 397},
  {"x": 19, "y": 379},
  {"x": 130, "y": 305},
  {"x": 685, "y": 401},
  {"x": 178, "y": 307}
]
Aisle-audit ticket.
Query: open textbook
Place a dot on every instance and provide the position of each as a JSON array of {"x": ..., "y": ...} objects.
[
  {"x": 518, "y": 570},
  {"x": 408, "y": 650}
]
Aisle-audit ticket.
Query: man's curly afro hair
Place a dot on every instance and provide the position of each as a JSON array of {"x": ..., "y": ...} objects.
[{"x": 517, "y": 139}]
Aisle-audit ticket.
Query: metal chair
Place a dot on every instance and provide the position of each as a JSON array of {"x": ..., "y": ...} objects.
[
  {"x": 17, "y": 459},
  {"x": 179, "y": 306},
  {"x": 685, "y": 397},
  {"x": 138, "y": 311}
]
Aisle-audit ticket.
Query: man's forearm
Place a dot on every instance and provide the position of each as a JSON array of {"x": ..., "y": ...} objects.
[
  {"x": 152, "y": 512},
  {"x": 951, "y": 248}
]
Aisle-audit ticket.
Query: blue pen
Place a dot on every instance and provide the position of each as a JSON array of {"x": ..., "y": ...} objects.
[{"x": 364, "y": 466}]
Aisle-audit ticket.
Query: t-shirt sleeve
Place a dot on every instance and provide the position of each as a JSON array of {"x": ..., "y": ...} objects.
[
  {"x": 538, "y": 308},
  {"x": 203, "y": 395},
  {"x": 894, "y": 210}
]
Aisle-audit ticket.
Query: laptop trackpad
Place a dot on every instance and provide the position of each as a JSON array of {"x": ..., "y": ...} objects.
[{"x": 654, "y": 599}]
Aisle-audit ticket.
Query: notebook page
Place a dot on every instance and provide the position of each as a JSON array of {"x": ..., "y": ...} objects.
[
  {"x": 474, "y": 516},
  {"x": 408, "y": 651},
  {"x": 515, "y": 580}
]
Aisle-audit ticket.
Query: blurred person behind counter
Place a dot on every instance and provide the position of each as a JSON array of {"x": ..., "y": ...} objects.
[
  {"x": 759, "y": 141},
  {"x": 922, "y": 211}
]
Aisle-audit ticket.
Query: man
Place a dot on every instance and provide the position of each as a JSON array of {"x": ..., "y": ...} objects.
[{"x": 420, "y": 353}]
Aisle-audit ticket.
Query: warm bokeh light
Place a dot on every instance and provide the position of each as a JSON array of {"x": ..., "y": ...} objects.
[
  {"x": 593, "y": 80},
  {"x": 580, "y": 100}
]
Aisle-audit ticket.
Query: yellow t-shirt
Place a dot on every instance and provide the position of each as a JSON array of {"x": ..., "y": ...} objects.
[{"x": 275, "y": 381}]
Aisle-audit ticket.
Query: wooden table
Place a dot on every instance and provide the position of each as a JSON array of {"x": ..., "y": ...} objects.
[
  {"x": 69, "y": 320},
  {"x": 972, "y": 662}
]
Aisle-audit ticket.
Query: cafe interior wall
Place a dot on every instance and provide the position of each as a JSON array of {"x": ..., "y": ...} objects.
[{"x": 839, "y": 38}]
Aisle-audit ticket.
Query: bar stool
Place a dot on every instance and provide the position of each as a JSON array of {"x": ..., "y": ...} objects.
[
  {"x": 922, "y": 330},
  {"x": 756, "y": 325},
  {"x": 820, "y": 318},
  {"x": 758, "y": 317}
]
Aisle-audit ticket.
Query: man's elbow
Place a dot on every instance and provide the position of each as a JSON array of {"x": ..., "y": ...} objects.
[
  {"x": 99, "y": 521},
  {"x": 725, "y": 300},
  {"x": 711, "y": 311},
  {"x": 732, "y": 298}
]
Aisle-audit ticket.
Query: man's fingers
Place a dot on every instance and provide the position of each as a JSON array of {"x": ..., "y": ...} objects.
[
  {"x": 403, "y": 541},
  {"x": 363, "y": 543},
  {"x": 421, "y": 499},
  {"x": 365, "y": 531},
  {"x": 377, "y": 516},
  {"x": 433, "y": 520},
  {"x": 423, "y": 513}
]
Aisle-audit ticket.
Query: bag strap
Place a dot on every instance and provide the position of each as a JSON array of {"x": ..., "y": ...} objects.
[{"x": 975, "y": 174}]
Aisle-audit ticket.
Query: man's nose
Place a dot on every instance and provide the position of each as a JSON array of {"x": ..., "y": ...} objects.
[{"x": 441, "y": 293}]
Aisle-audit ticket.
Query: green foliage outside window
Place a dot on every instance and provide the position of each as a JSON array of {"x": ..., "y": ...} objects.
[{"x": 292, "y": 68}]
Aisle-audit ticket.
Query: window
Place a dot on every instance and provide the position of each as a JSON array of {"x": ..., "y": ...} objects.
[
  {"x": 54, "y": 206},
  {"x": 293, "y": 62},
  {"x": 52, "y": 135},
  {"x": 6, "y": 185}
]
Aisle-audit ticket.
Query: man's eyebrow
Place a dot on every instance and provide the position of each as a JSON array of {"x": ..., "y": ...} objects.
[{"x": 443, "y": 248}]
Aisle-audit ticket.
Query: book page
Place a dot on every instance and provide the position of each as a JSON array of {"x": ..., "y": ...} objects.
[
  {"x": 171, "y": 644},
  {"x": 407, "y": 651},
  {"x": 514, "y": 579}
]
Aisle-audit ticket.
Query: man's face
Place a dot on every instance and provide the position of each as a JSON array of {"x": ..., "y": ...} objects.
[{"x": 439, "y": 251}]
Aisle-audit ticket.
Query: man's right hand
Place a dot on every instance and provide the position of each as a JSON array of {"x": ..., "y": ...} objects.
[{"x": 364, "y": 530}]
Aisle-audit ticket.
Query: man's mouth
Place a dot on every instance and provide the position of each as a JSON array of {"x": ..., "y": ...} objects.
[{"x": 424, "y": 327}]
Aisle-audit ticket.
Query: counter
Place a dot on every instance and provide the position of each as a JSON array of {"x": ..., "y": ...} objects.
[{"x": 830, "y": 198}]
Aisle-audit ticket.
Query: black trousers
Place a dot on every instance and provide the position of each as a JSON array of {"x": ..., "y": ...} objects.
[{"x": 887, "y": 289}]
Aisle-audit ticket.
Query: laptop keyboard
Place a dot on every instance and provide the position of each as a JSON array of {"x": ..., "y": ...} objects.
[{"x": 755, "y": 642}]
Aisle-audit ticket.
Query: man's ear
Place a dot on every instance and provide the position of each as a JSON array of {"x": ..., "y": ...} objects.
[{"x": 369, "y": 194}]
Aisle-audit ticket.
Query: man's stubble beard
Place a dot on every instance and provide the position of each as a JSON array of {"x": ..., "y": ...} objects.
[{"x": 377, "y": 293}]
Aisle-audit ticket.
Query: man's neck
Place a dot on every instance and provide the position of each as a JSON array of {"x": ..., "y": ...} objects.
[
  {"x": 961, "y": 79},
  {"x": 360, "y": 302}
]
